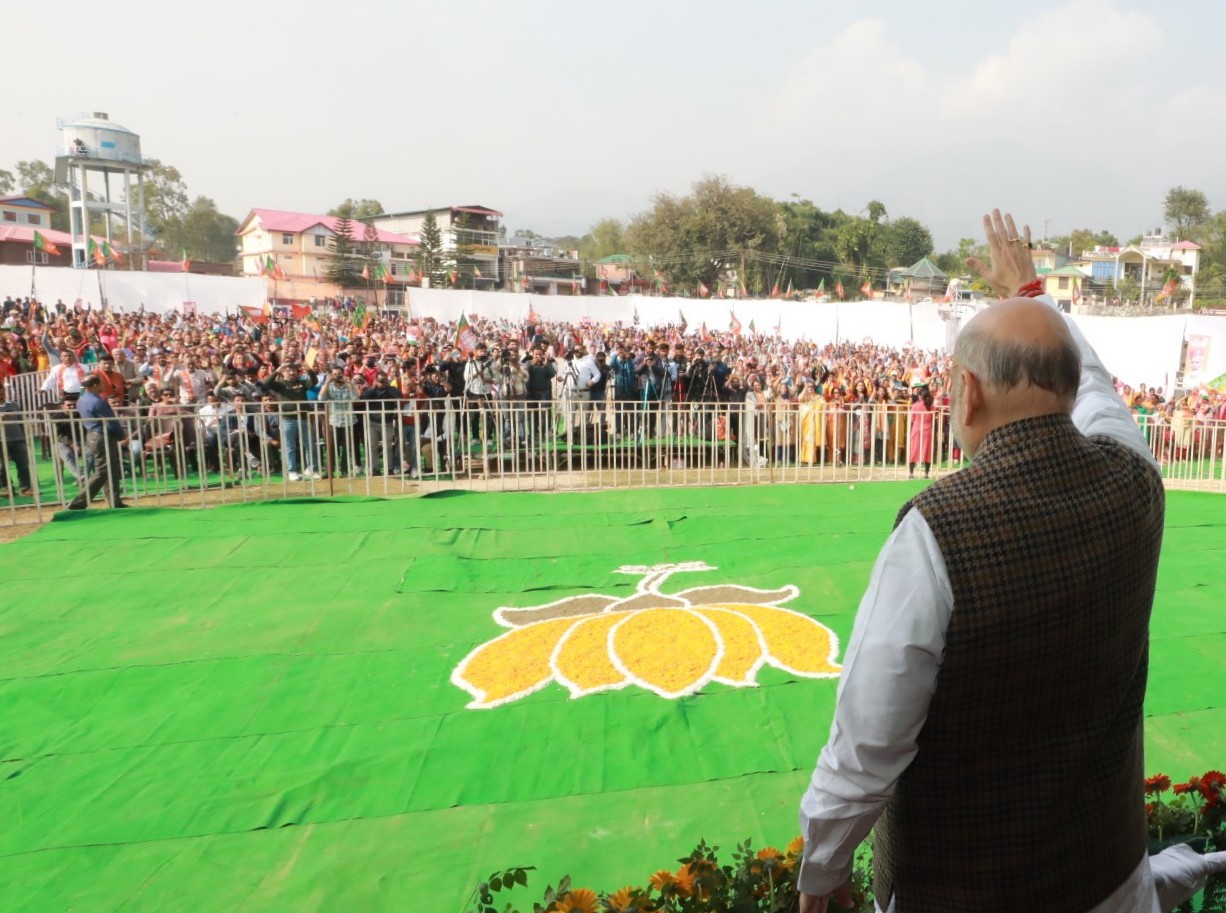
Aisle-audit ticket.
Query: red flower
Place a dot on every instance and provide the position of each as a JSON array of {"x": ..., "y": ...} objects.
[
  {"x": 1193, "y": 785},
  {"x": 1158, "y": 783},
  {"x": 1212, "y": 787}
]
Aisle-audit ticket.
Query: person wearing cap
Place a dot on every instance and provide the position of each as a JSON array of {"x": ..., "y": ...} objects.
[{"x": 103, "y": 438}]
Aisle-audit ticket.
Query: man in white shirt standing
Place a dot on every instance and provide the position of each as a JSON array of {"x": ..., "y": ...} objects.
[
  {"x": 65, "y": 377},
  {"x": 998, "y": 661}
]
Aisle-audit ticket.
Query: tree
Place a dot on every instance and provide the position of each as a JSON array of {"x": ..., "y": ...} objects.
[
  {"x": 875, "y": 210},
  {"x": 165, "y": 195},
  {"x": 699, "y": 237},
  {"x": 855, "y": 243},
  {"x": 358, "y": 210},
  {"x": 953, "y": 262},
  {"x": 343, "y": 265},
  {"x": 203, "y": 232},
  {"x": 1080, "y": 240},
  {"x": 1185, "y": 210},
  {"x": 905, "y": 241},
  {"x": 430, "y": 252},
  {"x": 37, "y": 181},
  {"x": 6, "y": 181},
  {"x": 462, "y": 255}
]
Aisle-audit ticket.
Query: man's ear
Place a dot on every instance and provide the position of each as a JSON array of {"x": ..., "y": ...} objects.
[{"x": 972, "y": 401}]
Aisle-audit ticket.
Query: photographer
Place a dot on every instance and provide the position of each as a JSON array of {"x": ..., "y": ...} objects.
[
  {"x": 383, "y": 432},
  {"x": 512, "y": 388},
  {"x": 539, "y": 389},
  {"x": 700, "y": 390},
  {"x": 625, "y": 390},
  {"x": 581, "y": 374},
  {"x": 652, "y": 377},
  {"x": 479, "y": 380},
  {"x": 338, "y": 396}
]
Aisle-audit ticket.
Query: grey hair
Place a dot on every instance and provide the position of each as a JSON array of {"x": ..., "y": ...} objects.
[{"x": 1005, "y": 364}]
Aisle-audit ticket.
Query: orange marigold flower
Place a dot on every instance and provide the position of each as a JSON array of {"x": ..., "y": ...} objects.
[
  {"x": 797, "y": 846},
  {"x": 661, "y": 879},
  {"x": 579, "y": 900},
  {"x": 683, "y": 881},
  {"x": 1158, "y": 783},
  {"x": 769, "y": 852},
  {"x": 620, "y": 901}
]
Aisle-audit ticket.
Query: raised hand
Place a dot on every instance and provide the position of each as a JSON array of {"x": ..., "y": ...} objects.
[{"x": 1011, "y": 266}]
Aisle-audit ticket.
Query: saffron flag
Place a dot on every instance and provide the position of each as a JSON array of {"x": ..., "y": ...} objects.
[
  {"x": 681, "y": 313},
  {"x": 185, "y": 263},
  {"x": 775, "y": 290},
  {"x": 465, "y": 336},
  {"x": 111, "y": 253},
  {"x": 734, "y": 325},
  {"x": 365, "y": 271},
  {"x": 703, "y": 334},
  {"x": 788, "y": 293},
  {"x": 1076, "y": 293},
  {"x": 703, "y": 291},
  {"x": 96, "y": 253},
  {"x": 838, "y": 289},
  {"x": 821, "y": 288},
  {"x": 1168, "y": 290},
  {"x": 42, "y": 244},
  {"x": 867, "y": 289},
  {"x": 533, "y": 317}
]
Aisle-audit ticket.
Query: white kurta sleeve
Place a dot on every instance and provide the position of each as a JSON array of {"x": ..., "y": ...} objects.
[{"x": 889, "y": 676}]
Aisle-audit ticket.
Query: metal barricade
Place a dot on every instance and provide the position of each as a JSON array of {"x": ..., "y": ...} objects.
[{"x": 172, "y": 455}]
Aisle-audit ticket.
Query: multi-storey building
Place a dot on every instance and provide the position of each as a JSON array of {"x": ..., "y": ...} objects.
[
  {"x": 298, "y": 244},
  {"x": 473, "y": 227},
  {"x": 536, "y": 265}
]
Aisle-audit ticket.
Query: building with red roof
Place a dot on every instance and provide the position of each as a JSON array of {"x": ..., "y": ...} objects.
[{"x": 298, "y": 245}]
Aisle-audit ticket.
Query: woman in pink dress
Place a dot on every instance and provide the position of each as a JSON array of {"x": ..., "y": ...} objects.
[{"x": 919, "y": 448}]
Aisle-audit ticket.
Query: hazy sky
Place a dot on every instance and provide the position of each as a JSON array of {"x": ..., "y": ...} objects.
[{"x": 1083, "y": 112}]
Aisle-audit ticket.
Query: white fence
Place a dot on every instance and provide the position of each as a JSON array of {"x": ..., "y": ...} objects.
[{"x": 172, "y": 455}]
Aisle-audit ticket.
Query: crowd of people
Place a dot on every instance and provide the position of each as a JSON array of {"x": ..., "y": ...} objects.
[{"x": 346, "y": 390}]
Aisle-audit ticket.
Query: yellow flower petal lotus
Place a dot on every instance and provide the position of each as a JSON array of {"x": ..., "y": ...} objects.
[
  {"x": 744, "y": 650},
  {"x": 581, "y": 661},
  {"x": 669, "y": 651},
  {"x": 595, "y": 643},
  {"x": 511, "y": 666},
  {"x": 795, "y": 643}
]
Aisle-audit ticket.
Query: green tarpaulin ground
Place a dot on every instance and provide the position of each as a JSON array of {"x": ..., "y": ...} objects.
[{"x": 251, "y": 708}]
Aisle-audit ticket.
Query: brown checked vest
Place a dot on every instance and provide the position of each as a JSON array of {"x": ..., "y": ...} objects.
[{"x": 1027, "y": 786}]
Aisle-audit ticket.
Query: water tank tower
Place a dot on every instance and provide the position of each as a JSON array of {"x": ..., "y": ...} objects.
[{"x": 97, "y": 159}]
